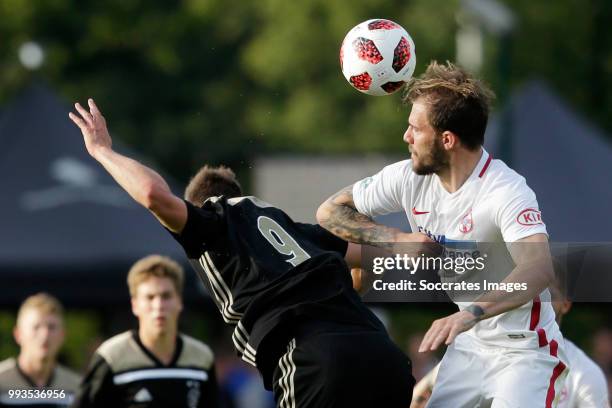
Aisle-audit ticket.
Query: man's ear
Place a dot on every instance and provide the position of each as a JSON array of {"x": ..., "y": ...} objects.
[
  {"x": 134, "y": 306},
  {"x": 17, "y": 335},
  {"x": 566, "y": 306},
  {"x": 450, "y": 140}
]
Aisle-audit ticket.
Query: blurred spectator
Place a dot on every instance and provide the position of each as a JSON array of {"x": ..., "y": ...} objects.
[
  {"x": 35, "y": 378},
  {"x": 154, "y": 366}
]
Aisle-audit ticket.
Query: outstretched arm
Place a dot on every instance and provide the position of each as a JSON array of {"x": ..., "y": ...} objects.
[{"x": 143, "y": 184}]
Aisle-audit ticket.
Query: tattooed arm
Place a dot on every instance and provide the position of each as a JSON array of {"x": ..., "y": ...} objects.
[{"x": 339, "y": 215}]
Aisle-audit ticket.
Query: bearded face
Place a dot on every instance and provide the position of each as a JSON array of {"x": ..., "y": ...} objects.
[{"x": 426, "y": 150}]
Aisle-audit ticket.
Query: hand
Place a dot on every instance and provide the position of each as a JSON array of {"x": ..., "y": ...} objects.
[
  {"x": 416, "y": 244},
  {"x": 93, "y": 127},
  {"x": 446, "y": 329},
  {"x": 415, "y": 237}
]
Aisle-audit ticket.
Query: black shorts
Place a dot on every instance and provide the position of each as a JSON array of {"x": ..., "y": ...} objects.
[{"x": 341, "y": 369}]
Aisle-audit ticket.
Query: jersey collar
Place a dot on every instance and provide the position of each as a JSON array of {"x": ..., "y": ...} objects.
[
  {"x": 177, "y": 350},
  {"x": 483, "y": 164},
  {"x": 477, "y": 174},
  {"x": 27, "y": 379}
]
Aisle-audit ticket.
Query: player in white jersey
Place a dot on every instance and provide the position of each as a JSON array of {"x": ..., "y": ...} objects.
[
  {"x": 505, "y": 349},
  {"x": 586, "y": 385}
]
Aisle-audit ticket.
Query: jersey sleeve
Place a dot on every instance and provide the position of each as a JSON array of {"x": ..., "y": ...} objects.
[
  {"x": 383, "y": 193},
  {"x": 97, "y": 388},
  {"x": 518, "y": 215},
  {"x": 323, "y": 238},
  {"x": 203, "y": 224}
]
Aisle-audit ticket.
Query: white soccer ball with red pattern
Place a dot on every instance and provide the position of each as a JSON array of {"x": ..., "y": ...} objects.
[{"x": 377, "y": 57}]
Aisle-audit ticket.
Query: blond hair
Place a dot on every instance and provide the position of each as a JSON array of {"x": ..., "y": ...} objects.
[
  {"x": 44, "y": 303},
  {"x": 158, "y": 266}
]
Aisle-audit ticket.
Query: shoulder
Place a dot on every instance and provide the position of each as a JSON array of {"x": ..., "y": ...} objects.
[
  {"x": 395, "y": 174},
  {"x": 7, "y": 366},
  {"x": 120, "y": 351},
  {"x": 571, "y": 350},
  {"x": 503, "y": 185},
  {"x": 195, "y": 353},
  {"x": 116, "y": 344},
  {"x": 401, "y": 168},
  {"x": 581, "y": 364},
  {"x": 500, "y": 176},
  {"x": 66, "y": 378},
  {"x": 9, "y": 376}
]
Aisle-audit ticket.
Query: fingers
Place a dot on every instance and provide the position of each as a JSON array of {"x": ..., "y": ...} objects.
[
  {"x": 84, "y": 114},
  {"x": 440, "y": 337},
  {"x": 87, "y": 118},
  {"x": 439, "y": 331},
  {"x": 428, "y": 338},
  {"x": 455, "y": 330},
  {"x": 77, "y": 120},
  {"x": 94, "y": 109}
]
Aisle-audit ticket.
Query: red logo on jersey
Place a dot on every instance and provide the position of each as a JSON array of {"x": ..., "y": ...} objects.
[
  {"x": 467, "y": 223},
  {"x": 415, "y": 212},
  {"x": 529, "y": 216}
]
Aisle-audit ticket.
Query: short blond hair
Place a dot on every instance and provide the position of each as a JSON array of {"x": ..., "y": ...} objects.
[
  {"x": 43, "y": 302},
  {"x": 158, "y": 266}
]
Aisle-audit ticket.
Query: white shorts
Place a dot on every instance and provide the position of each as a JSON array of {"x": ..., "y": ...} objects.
[{"x": 474, "y": 376}]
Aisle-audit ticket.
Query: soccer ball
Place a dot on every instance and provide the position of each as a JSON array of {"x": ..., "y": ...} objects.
[{"x": 377, "y": 57}]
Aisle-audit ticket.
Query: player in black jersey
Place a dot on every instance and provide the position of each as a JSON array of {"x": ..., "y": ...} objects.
[
  {"x": 154, "y": 366},
  {"x": 284, "y": 285}
]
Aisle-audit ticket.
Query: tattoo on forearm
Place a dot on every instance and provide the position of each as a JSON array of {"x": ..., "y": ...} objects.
[{"x": 346, "y": 222}]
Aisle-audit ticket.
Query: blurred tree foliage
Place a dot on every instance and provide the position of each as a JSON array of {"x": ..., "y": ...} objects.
[{"x": 199, "y": 81}]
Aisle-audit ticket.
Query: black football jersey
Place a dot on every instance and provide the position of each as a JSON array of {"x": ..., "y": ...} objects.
[
  {"x": 264, "y": 270},
  {"x": 123, "y": 373}
]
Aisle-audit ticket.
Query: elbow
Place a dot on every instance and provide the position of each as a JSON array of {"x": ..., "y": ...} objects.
[
  {"x": 323, "y": 214},
  {"x": 546, "y": 275},
  {"x": 151, "y": 197},
  {"x": 550, "y": 275}
]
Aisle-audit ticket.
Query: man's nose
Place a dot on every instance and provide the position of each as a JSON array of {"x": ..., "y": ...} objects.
[
  {"x": 408, "y": 136},
  {"x": 158, "y": 303}
]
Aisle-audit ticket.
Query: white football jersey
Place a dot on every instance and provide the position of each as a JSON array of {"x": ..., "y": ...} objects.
[
  {"x": 585, "y": 386},
  {"x": 494, "y": 205}
]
